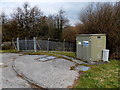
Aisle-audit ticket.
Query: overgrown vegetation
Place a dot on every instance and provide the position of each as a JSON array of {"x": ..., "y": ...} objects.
[
  {"x": 100, "y": 76},
  {"x": 7, "y": 47},
  {"x": 9, "y": 51}
]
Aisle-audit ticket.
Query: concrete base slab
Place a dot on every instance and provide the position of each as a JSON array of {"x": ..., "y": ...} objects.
[
  {"x": 9, "y": 77},
  {"x": 53, "y": 74}
]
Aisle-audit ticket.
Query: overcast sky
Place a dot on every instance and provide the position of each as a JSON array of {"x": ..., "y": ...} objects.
[{"x": 72, "y": 7}]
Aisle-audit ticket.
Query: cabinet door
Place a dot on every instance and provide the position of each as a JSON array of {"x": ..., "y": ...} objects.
[
  {"x": 79, "y": 48},
  {"x": 86, "y": 44}
]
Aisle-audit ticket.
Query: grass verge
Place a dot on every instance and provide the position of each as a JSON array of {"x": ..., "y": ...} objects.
[
  {"x": 100, "y": 76},
  {"x": 70, "y": 54},
  {"x": 9, "y": 51},
  {"x": 40, "y": 53}
]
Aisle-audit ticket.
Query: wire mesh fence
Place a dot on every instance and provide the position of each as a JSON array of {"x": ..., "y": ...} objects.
[
  {"x": 44, "y": 45},
  {"x": 26, "y": 45}
]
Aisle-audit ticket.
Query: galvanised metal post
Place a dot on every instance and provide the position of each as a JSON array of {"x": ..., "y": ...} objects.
[
  {"x": 35, "y": 49},
  {"x": 64, "y": 45},
  {"x": 18, "y": 47},
  {"x": 25, "y": 43},
  {"x": 48, "y": 44}
]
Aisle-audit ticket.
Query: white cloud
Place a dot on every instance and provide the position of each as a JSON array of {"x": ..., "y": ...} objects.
[
  {"x": 72, "y": 8},
  {"x": 49, "y": 10}
]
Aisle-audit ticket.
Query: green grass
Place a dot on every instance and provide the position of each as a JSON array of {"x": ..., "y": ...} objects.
[
  {"x": 70, "y": 54},
  {"x": 101, "y": 76},
  {"x": 39, "y": 53},
  {"x": 52, "y": 53},
  {"x": 9, "y": 51}
]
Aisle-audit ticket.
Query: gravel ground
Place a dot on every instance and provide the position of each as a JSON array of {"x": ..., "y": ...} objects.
[
  {"x": 53, "y": 73},
  {"x": 9, "y": 77}
]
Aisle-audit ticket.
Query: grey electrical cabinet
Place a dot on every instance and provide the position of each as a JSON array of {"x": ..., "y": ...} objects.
[{"x": 90, "y": 46}]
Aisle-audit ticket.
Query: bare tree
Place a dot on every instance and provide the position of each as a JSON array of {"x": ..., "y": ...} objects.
[
  {"x": 27, "y": 18},
  {"x": 61, "y": 22}
]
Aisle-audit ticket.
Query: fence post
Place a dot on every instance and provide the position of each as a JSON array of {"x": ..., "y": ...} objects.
[
  {"x": 25, "y": 43},
  {"x": 64, "y": 45},
  {"x": 13, "y": 43},
  {"x": 18, "y": 48},
  {"x": 34, "y": 39},
  {"x": 48, "y": 44}
]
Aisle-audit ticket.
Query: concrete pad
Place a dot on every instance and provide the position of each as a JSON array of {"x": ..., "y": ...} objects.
[
  {"x": 10, "y": 84},
  {"x": 9, "y": 77},
  {"x": 81, "y": 68},
  {"x": 53, "y": 74}
]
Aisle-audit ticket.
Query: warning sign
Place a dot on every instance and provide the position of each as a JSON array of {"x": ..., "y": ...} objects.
[{"x": 86, "y": 43}]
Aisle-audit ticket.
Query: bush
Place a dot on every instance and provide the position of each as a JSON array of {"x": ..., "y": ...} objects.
[
  {"x": 7, "y": 47},
  {"x": 115, "y": 56}
]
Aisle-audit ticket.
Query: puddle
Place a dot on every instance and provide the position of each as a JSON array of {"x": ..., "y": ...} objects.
[
  {"x": 51, "y": 57},
  {"x": 43, "y": 59},
  {"x": 82, "y": 68},
  {"x": 46, "y": 58}
]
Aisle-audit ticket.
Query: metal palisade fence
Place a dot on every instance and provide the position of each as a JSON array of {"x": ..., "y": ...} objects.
[{"x": 43, "y": 45}]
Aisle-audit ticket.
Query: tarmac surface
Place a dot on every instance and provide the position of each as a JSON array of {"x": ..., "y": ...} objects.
[{"x": 42, "y": 70}]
